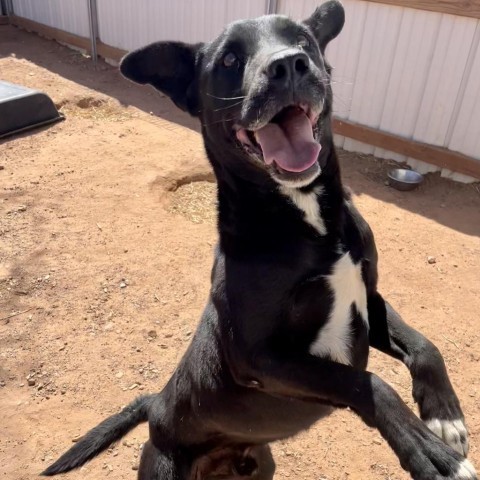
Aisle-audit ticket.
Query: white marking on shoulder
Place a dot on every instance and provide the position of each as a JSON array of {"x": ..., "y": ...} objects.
[
  {"x": 346, "y": 282},
  {"x": 452, "y": 432},
  {"x": 309, "y": 205},
  {"x": 465, "y": 471}
]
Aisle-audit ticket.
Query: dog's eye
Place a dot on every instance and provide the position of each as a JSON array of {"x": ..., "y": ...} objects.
[
  {"x": 230, "y": 59},
  {"x": 302, "y": 41}
]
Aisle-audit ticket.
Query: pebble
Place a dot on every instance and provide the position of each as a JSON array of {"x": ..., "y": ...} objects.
[
  {"x": 431, "y": 260},
  {"x": 119, "y": 374},
  {"x": 152, "y": 334},
  {"x": 123, "y": 285},
  {"x": 135, "y": 467},
  {"x": 31, "y": 382}
]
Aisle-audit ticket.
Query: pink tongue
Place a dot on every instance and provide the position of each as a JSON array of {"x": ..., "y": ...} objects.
[{"x": 290, "y": 143}]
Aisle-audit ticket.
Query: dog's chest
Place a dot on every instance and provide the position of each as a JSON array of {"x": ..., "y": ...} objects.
[{"x": 348, "y": 312}]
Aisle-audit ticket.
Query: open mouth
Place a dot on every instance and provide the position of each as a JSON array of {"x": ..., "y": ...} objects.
[{"x": 287, "y": 142}]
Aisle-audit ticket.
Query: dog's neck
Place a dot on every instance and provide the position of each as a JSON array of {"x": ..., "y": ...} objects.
[{"x": 255, "y": 211}]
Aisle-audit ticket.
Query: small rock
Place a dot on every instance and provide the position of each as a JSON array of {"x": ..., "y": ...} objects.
[
  {"x": 135, "y": 467},
  {"x": 123, "y": 284},
  {"x": 431, "y": 260},
  {"x": 386, "y": 183},
  {"x": 119, "y": 374},
  {"x": 76, "y": 438},
  {"x": 31, "y": 382},
  {"x": 152, "y": 334},
  {"x": 131, "y": 387},
  {"x": 22, "y": 208}
]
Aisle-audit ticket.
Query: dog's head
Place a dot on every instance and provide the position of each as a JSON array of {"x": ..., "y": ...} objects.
[{"x": 263, "y": 86}]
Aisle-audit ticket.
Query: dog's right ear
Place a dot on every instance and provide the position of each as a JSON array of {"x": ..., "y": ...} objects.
[{"x": 168, "y": 66}]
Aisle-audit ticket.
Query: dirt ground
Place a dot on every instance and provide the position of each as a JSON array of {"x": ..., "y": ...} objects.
[{"x": 106, "y": 236}]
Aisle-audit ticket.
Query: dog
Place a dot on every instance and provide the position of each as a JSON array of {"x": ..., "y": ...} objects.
[{"x": 294, "y": 308}]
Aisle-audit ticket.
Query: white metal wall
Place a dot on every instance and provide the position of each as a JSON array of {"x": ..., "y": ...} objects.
[
  {"x": 68, "y": 15},
  {"x": 128, "y": 25},
  {"x": 405, "y": 71}
]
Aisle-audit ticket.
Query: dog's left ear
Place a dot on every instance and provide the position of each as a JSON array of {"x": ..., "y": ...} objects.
[
  {"x": 326, "y": 22},
  {"x": 168, "y": 66}
]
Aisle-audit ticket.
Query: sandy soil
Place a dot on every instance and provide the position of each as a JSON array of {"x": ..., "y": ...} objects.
[{"x": 106, "y": 237}]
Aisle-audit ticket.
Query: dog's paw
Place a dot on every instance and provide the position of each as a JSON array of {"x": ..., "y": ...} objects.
[
  {"x": 465, "y": 472},
  {"x": 427, "y": 456},
  {"x": 433, "y": 463},
  {"x": 452, "y": 432}
]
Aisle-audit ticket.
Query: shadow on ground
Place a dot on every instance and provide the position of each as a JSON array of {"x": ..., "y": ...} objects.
[{"x": 451, "y": 204}]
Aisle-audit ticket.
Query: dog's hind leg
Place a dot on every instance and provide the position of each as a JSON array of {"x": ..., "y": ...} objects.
[
  {"x": 438, "y": 404},
  {"x": 156, "y": 464}
]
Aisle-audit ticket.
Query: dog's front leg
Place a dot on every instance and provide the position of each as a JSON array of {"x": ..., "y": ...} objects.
[
  {"x": 438, "y": 404},
  {"x": 311, "y": 378}
]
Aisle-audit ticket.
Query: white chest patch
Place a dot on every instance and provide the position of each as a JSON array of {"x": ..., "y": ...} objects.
[
  {"x": 334, "y": 339},
  {"x": 309, "y": 205}
]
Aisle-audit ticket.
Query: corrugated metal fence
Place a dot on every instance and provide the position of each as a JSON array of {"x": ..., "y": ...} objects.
[{"x": 409, "y": 72}]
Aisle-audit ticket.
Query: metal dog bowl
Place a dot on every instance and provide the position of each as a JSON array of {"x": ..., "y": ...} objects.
[{"x": 403, "y": 179}]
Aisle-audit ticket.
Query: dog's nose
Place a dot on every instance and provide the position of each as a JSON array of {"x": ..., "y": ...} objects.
[{"x": 288, "y": 68}]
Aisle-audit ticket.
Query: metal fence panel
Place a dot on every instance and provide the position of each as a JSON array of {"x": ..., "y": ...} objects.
[
  {"x": 68, "y": 15},
  {"x": 128, "y": 25}
]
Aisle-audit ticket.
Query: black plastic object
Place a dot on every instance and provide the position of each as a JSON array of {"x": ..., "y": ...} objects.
[{"x": 22, "y": 109}]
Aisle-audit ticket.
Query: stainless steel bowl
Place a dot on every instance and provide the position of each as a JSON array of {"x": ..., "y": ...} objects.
[{"x": 403, "y": 179}]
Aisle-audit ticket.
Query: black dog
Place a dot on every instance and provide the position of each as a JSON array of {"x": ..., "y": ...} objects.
[{"x": 294, "y": 305}]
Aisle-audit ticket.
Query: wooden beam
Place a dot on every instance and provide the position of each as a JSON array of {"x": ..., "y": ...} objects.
[
  {"x": 107, "y": 51},
  {"x": 104, "y": 50},
  {"x": 463, "y": 8},
  {"x": 51, "y": 32},
  {"x": 441, "y": 157}
]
